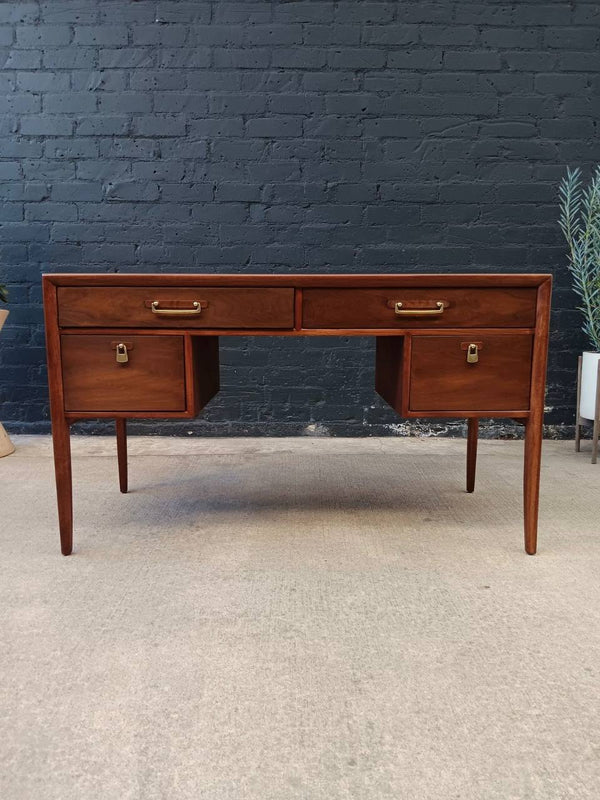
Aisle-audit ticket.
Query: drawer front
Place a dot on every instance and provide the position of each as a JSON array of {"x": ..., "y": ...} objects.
[
  {"x": 441, "y": 378},
  {"x": 152, "y": 379},
  {"x": 450, "y": 308},
  {"x": 126, "y": 307}
]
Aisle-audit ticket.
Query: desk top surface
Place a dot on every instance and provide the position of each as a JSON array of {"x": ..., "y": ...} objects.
[{"x": 340, "y": 280}]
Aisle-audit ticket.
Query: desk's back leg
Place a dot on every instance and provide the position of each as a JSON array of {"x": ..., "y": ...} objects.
[
  {"x": 472, "y": 453},
  {"x": 121, "y": 427},
  {"x": 61, "y": 440}
]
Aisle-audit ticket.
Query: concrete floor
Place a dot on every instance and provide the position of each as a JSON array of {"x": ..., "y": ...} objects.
[{"x": 299, "y": 619}]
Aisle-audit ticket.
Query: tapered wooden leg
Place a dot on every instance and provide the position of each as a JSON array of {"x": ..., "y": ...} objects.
[
  {"x": 472, "y": 453},
  {"x": 61, "y": 440},
  {"x": 121, "y": 426},
  {"x": 531, "y": 482}
]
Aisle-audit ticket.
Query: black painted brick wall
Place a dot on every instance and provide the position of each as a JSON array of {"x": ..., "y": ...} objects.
[{"x": 288, "y": 136}]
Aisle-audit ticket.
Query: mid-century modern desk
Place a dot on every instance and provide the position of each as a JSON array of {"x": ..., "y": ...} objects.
[{"x": 129, "y": 345}]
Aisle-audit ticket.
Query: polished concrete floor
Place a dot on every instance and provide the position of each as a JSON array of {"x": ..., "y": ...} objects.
[{"x": 299, "y": 619}]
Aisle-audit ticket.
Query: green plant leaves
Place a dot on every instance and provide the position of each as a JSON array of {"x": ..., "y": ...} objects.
[{"x": 580, "y": 223}]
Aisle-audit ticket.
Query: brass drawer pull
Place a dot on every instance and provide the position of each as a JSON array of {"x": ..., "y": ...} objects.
[
  {"x": 419, "y": 312},
  {"x": 176, "y": 312}
]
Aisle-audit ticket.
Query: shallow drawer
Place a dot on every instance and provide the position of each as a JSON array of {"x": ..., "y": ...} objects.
[
  {"x": 442, "y": 379},
  {"x": 152, "y": 378},
  {"x": 155, "y": 307},
  {"x": 418, "y": 308}
]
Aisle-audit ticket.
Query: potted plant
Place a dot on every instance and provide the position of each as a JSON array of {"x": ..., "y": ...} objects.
[
  {"x": 580, "y": 223},
  {"x": 6, "y": 446}
]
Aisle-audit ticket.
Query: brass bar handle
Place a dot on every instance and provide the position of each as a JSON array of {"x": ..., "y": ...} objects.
[
  {"x": 176, "y": 312},
  {"x": 419, "y": 312}
]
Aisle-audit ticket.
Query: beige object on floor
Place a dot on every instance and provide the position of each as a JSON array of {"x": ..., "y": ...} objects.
[
  {"x": 6, "y": 446},
  {"x": 299, "y": 619}
]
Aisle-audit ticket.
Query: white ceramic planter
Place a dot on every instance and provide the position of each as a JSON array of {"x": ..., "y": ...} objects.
[
  {"x": 589, "y": 380},
  {"x": 6, "y": 446}
]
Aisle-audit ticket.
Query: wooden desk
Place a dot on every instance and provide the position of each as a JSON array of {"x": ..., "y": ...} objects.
[{"x": 125, "y": 346}]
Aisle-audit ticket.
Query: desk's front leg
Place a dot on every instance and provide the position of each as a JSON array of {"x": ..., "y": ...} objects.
[
  {"x": 61, "y": 441},
  {"x": 531, "y": 482}
]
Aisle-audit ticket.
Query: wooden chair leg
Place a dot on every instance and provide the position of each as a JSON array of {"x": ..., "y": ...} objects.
[
  {"x": 61, "y": 442},
  {"x": 577, "y": 417},
  {"x": 531, "y": 482},
  {"x": 473, "y": 430},
  {"x": 121, "y": 428}
]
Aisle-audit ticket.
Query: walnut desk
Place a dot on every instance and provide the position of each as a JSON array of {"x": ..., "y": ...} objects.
[{"x": 129, "y": 345}]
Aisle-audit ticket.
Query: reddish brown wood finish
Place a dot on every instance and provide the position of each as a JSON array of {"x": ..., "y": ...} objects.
[
  {"x": 374, "y": 308},
  {"x": 473, "y": 430},
  {"x": 152, "y": 380},
  {"x": 61, "y": 434},
  {"x": 121, "y": 430},
  {"x": 495, "y": 310},
  {"x": 96, "y": 307},
  {"x": 535, "y": 423},
  {"x": 442, "y": 380},
  {"x": 342, "y": 281}
]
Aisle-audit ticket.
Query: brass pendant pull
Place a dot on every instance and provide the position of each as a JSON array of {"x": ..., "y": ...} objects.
[
  {"x": 472, "y": 354},
  {"x": 122, "y": 354},
  {"x": 176, "y": 312},
  {"x": 419, "y": 312}
]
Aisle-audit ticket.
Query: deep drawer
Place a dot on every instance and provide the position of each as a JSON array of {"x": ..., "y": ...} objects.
[
  {"x": 132, "y": 307},
  {"x": 152, "y": 379},
  {"x": 420, "y": 308},
  {"x": 442, "y": 379}
]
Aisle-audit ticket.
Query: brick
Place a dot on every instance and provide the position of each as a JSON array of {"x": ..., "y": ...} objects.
[
  {"x": 418, "y": 58},
  {"x": 273, "y": 35},
  {"x": 510, "y": 38},
  {"x": 140, "y": 191},
  {"x": 320, "y": 35},
  {"x": 180, "y": 58},
  {"x": 234, "y": 104},
  {"x": 560, "y": 84},
  {"x": 69, "y": 103},
  {"x": 46, "y": 126},
  {"x": 400, "y": 128},
  {"x": 299, "y": 58},
  {"x": 76, "y": 192},
  {"x": 238, "y": 58},
  {"x": 42, "y": 82},
  {"x": 20, "y": 104},
  {"x": 103, "y": 126},
  {"x": 226, "y": 126},
  {"x": 470, "y": 60},
  {"x": 166, "y": 35},
  {"x": 21, "y": 59},
  {"x": 107, "y": 35},
  {"x": 580, "y": 38},
  {"x": 50, "y": 211},
  {"x": 129, "y": 58},
  {"x": 160, "y": 125},
  {"x": 70, "y": 148},
  {"x": 356, "y": 58},
  {"x": 274, "y": 127},
  {"x": 69, "y": 58},
  {"x": 15, "y": 13},
  {"x": 36, "y": 36}
]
